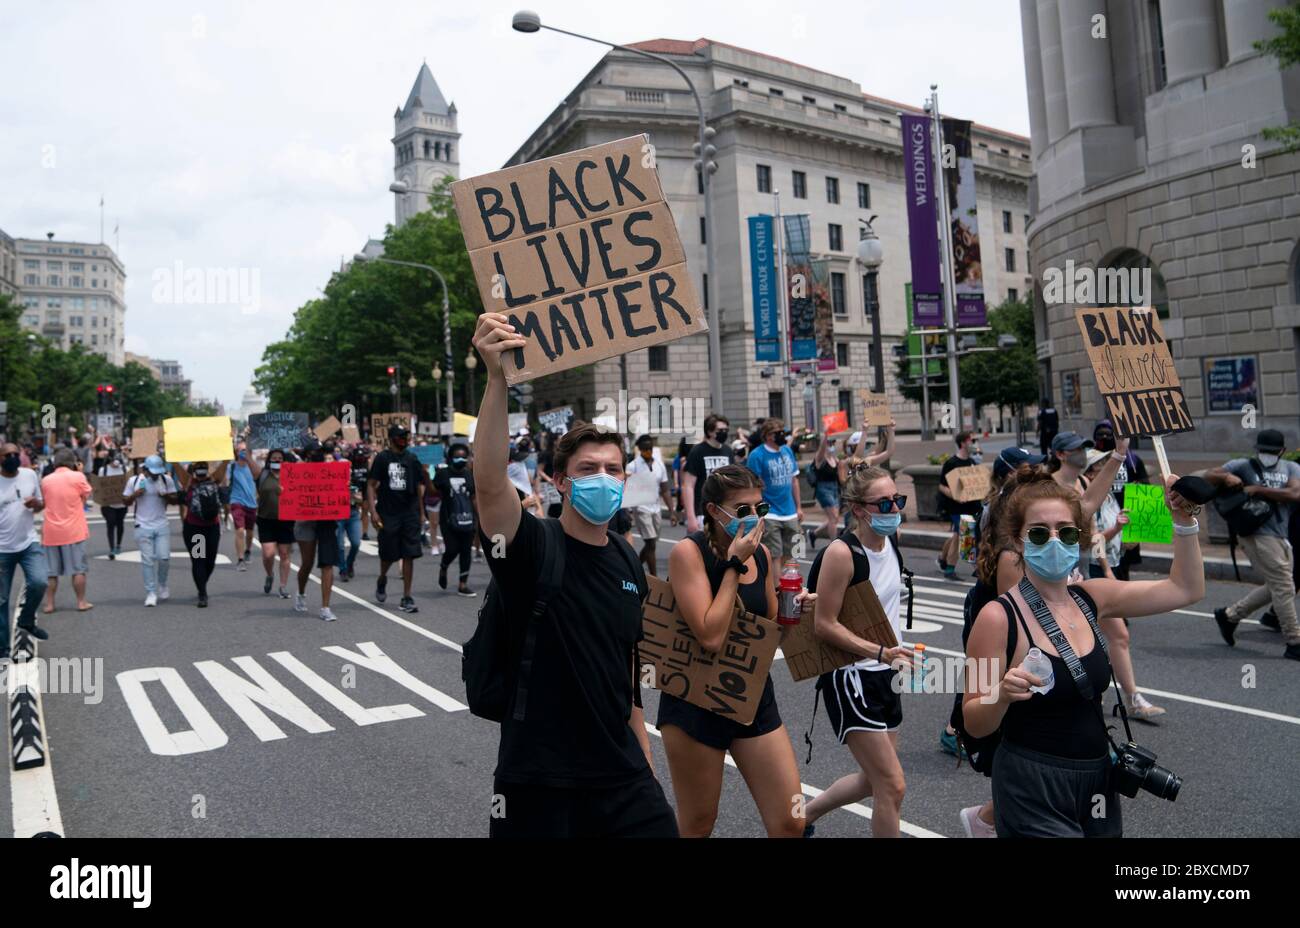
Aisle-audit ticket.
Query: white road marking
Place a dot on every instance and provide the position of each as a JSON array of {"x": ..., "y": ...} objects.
[
  {"x": 204, "y": 733},
  {"x": 244, "y": 696},
  {"x": 341, "y": 700},
  {"x": 32, "y": 794},
  {"x": 133, "y": 557}
]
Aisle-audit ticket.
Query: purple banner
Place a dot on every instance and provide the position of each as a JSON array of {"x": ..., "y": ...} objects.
[
  {"x": 922, "y": 222},
  {"x": 967, "y": 268}
]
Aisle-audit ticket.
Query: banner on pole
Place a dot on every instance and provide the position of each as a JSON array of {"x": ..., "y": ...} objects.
[
  {"x": 922, "y": 222},
  {"x": 967, "y": 267},
  {"x": 764, "y": 288}
]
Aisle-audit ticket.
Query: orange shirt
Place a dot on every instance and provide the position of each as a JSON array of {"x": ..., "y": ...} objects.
[{"x": 65, "y": 492}]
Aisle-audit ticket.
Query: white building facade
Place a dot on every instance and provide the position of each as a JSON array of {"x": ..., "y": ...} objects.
[{"x": 73, "y": 293}]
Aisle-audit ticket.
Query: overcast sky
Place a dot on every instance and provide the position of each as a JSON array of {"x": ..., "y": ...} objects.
[{"x": 256, "y": 135}]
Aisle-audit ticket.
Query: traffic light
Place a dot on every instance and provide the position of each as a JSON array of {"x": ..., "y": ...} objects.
[{"x": 391, "y": 371}]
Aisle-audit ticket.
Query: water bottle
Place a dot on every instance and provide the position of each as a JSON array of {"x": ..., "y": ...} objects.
[
  {"x": 1038, "y": 663},
  {"x": 917, "y": 683},
  {"x": 788, "y": 611}
]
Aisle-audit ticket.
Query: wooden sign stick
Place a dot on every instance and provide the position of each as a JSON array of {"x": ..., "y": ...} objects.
[{"x": 1158, "y": 442}]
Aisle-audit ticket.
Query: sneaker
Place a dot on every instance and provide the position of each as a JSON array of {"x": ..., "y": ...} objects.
[
  {"x": 435, "y": 551},
  {"x": 811, "y": 535},
  {"x": 974, "y": 826},
  {"x": 949, "y": 744},
  {"x": 299, "y": 602},
  {"x": 442, "y": 577},
  {"x": 365, "y": 536},
  {"x": 478, "y": 555},
  {"x": 1139, "y": 708},
  {"x": 112, "y": 555},
  {"x": 203, "y": 601},
  {"x": 284, "y": 594},
  {"x": 266, "y": 587},
  {"x": 164, "y": 593},
  {"x": 39, "y": 634},
  {"x": 1227, "y": 627},
  {"x": 327, "y": 616},
  {"x": 241, "y": 565},
  {"x": 151, "y": 599},
  {"x": 381, "y": 589},
  {"x": 465, "y": 591},
  {"x": 1292, "y": 652},
  {"x": 1269, "y": 620},
  {"x": 408, "y": 605}
]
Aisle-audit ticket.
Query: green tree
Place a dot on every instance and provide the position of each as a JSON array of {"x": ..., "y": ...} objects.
[
  {"x": 1286, "y": 49},
  {"x": 1006, "y": 376}
]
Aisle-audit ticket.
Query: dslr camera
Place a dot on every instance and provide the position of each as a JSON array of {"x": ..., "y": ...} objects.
[{"x": 1136, "y": 768}]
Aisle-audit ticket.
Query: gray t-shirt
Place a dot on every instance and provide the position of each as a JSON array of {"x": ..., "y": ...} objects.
[{"x": 1276, "y": 477}]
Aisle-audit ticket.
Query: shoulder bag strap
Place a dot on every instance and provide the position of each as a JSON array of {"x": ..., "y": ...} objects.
[
  {"x": 549, "y": 580},
  {"x": 1057, "y": 637}
]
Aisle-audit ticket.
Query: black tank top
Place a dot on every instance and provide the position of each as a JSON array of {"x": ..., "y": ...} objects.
[
  {"x": 753, "y": 595},
  {"x": 1060, "y": 722},
  {"x": 827, "y": 472}
]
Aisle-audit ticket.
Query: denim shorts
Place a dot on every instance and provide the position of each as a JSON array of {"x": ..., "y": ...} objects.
[{"x": 827, "y": 494}]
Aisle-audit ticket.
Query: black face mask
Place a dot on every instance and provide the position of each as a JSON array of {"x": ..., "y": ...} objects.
[
  {"x": 1105, "y": 442},
  {"x": 720, "y": 436},
  {"x": 458, "y": 462},
  {"x": 11, "y": 463}
]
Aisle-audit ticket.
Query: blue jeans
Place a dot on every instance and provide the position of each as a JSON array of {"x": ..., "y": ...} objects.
[
  {"x": 32, "y": 560},
  {"x": 155, "y": 555},
  {"x": 350, "y": 528}
]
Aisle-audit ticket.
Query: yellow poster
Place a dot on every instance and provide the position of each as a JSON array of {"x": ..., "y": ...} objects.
[
  {"x": 198, "y": 438},
  {"x": 463, "y": 424}
]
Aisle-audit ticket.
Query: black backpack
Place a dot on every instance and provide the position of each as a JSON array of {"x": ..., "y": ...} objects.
[
  {"x": 497, "y": 662},
  {"x": 980, "y": 750},
  {"x": 205, "y": 501},
  {"x": 1245, "y": 515},
  {"x": 460, "y": 510}
]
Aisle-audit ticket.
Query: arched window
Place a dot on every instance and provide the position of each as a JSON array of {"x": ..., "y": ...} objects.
[{"x": 1141, "y": 283}]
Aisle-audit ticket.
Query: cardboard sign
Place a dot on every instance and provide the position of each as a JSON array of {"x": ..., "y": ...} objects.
[
  {"x": 351, "y": 434},
  {"x": 556, "y": 420},
  {"x": 730, "y": 681},
  {"x": 808, "y": 656},
  {"x": 272, "y": 430},
  {"x": 464, "y": 424},
  {"x": 971, "y": 483},
  {"x": 835, "y": 422},
  {"x": 581, "y": 252},
  {"x": 1134, "y": 370},
  {"x": 641, "y": 488},
  {"x": 144, "y": 442},
  {"x": 1149, "y": 517},
  {"x": 379, "y": 423},
  {"x": 875, "y": 408},
  {"x": 198, "y": 438},
  {"x": 315, "y": 491},
  {"x": 108, "y": 490},
  {"x": 327, "y": 429},
  {"x": 428, "y": 428}
]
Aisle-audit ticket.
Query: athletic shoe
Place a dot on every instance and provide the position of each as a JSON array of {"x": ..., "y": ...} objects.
[
  {"x": 241, "y": 565},
  {"x": 284, "y": 594},
  {"x": 442, "y": 577},
  {"x": 343, "y": 576},
  {"x": 164, "y": 593},
  {"x": 1227, "y": 628},
  {"x": 203, "y": 601},
  {"x": 327, "y": 616},
  {"x": 112, "y": 555},
  {"x": 151, "y": 599},
  {"x": 949, "y": 744},
  {"x": 365, "y": 536},
  {"x": 1292, "y": 652},
  {"x": 266, "y": 587},
  {"x": 974, "y": 826},
  {"x": 1139, "y": 708},
  {"x": 299, "y": 602},
  {"x": 811, "y": 535},
  {"x": 381, "y": 589},
  {"x": 478, "y": 555},
  {"x": 408, "y": 605},
  {"x": 1269, "y": 620},
  {"x": 466, "y": 591},
  {"x": 39, "y": 634},
  {"x": 435, "y": 550}
]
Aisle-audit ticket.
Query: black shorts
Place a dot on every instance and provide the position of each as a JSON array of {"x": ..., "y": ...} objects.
[
  {"x": 400, "y": 536},
  {"x": 327, "y": 544},
  {"x": 718, "y": 731},
  {"x": 279, "y": 531},
  {"x": 1038, "y": 795},
  {"x": 860, "y": 700},
  {"x": 636, "y": 810}
]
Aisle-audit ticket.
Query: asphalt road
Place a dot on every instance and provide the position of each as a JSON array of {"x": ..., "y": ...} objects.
[{"x": 170, "y": 736}]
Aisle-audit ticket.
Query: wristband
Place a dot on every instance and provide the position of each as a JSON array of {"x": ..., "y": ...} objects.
[
  {"x": 735, "y": 564},
  {"x": 880, "y": 655},
  {"x": 1193, "y": 529}
]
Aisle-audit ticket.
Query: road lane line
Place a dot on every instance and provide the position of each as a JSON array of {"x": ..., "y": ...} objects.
[{"x": 32, "y": 794}]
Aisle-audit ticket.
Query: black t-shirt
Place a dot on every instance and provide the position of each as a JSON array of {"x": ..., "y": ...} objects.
[
  {"x": 703, "y": 460},
  {"x": 576, "y": 733},
  {"x": 947, "y": 503},
  {"x": 1126, "y": 474},
  {"x": 399, "y": 478},
  {"x": 456, "y": 487}
]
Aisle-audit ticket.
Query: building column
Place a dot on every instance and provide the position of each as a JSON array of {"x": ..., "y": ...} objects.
[
  {"x": 1034, "y": 76},
  {"x": 1089, "y": 80},
  {"x": 1049, "y": 46},
  {"x": 1246, "y": 22},
  {"x": 1191, "y": 33}
]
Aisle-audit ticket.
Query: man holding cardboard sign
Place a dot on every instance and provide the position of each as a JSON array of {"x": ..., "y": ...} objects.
[{"x": 580, "y": 253}]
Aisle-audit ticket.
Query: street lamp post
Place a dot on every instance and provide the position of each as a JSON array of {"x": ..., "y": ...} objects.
[
  {"x": 436, "y": 374},
  {"x": 527, "y": 21},
  {"x": 471, "y": 362},
  {"x": 411, "y": 382},
  {"x": 446, "y": 315},
  {"x": 872, "y": 254}
]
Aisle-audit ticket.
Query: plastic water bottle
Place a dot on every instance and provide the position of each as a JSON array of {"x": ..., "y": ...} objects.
[
  {"x": 917, "y": 684},
  {"x": 788, "y": 611},
  {"x": 1038, "y": 663}
]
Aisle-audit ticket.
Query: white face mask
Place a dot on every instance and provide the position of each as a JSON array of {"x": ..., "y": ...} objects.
[{"x": 1269, "y": 460}]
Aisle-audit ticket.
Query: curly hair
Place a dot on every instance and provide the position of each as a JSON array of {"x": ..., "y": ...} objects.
[
  {"x": 1033, "y": 487},
  {"x": 991, "y": 548}
]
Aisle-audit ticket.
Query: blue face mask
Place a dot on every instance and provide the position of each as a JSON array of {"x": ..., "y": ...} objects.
[
  {"x": 596, "y": 498},
  {"x": 738, "y": 525},
  {"x": 1053, "y": 560},
  {"x": 885, "y": 524}
]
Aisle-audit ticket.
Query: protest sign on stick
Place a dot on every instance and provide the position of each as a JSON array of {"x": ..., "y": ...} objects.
[
  {"x": 198, "y": 438},
  {"x": 108, "y": 489},
  {"x": 970, "y": 483},
  {"x": 1149, "y": 518},
  {"x": 380, "y": 423},
  {"x": 875, "y": 408},
  {"x": 144, "y": 442},
  {"x": 328, "y": 428},
  {"x": 276, "y": 430}
]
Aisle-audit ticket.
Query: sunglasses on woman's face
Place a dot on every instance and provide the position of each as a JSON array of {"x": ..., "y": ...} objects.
[
  {"x": 744, "y": 510},
  {"x": 1068, "y": 534},
  {"x": 887, "y": 504}
]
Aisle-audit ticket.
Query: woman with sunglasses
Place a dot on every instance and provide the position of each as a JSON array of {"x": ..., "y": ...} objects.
[
  {"x": 1052, "y": 770},
  {"x": 723, "y": 562},
  {"x": 862, "y": 701}
]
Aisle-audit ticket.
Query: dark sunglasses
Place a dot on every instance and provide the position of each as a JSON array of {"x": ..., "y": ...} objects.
[
  {"x": 744, "y": 510},
  {"x": 888, "y": 504},
  {"x": 1040, "y": 534}
]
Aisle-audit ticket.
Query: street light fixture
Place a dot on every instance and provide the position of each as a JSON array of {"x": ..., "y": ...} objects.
[
  {"x": 471, "y": 362},
  {"x": 872, "y": 254},
  {"x": 527, "y": 21}
]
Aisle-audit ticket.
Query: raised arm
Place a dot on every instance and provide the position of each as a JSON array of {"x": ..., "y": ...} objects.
[
  {"x": 1097, "y": 491},
  {"x": 498, "y": 502},
  {"x": 887, "y": 449}
]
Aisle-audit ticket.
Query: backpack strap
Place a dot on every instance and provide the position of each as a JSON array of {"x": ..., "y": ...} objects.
[
  {"x": 906, "y": 576},
  {"x": 633, "y": 563},
  {"x": 550, "y": 579}
]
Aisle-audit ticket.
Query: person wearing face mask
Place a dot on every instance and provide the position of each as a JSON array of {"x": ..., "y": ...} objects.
[
  {"x": 64, "y": 533},
  {"x": 578, "y": 762},
  {"x": 273, "y": 533},
  {"x": 967, "y": 455},
  {"x": 201, "y": 521},
  {"x": 396, "y": 499},
  {"x": 151, "y": 490},
  {"x": 20, "y": 543},
  {"x": 1068, "y": 461},
  {"x": 650, "y": 477},
  {"x": 1053, "y": 767},
  {"x": 716, "y": 567},
  {"x": 862, "y": 699},
  {"x": 243, "y": 505},
  {"x": 349, "y": 529},
  {"x": 317, "y": 541},
  {"x": 1270, "y": 477},
  {"x": 777, "y": 468},
  {"x": 114, "y": 513},
  {"x": 454, "y": 482},
  {"x": 704, "y": 458}
]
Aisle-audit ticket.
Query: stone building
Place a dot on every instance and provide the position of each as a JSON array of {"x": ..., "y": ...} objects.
[{"x": 73, "y": 293}]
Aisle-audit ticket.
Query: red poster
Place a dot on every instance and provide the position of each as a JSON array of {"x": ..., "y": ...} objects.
[
  {"x": 835, "y": 422},
  {"x": 310, "y": 492}
]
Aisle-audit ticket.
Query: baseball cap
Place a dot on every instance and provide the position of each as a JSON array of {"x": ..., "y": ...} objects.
[
  {"x": 855, "y": 438},
  {"x": 397, "y": 430},
  {"x": 155, "y": 465},
  {"x": 1270, "y": 440},
  {"x": 1070, "y": 441},
  {"x": 1009, "y": 459},
  {"x": 1095, "y": 455}
]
